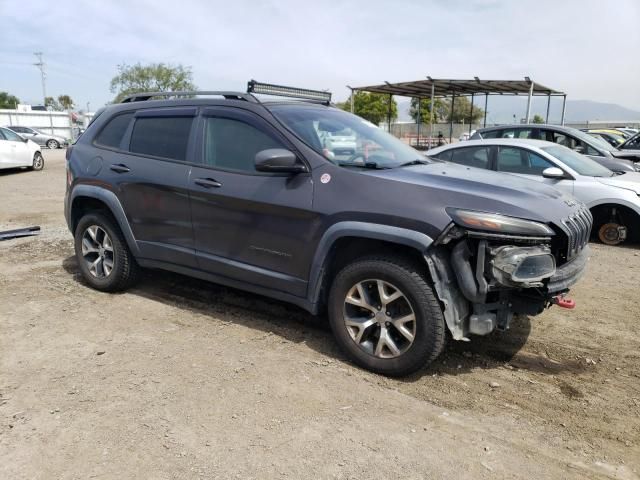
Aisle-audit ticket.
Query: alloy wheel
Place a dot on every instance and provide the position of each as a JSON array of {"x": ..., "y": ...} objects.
[
  {"x": 97, "y": 251},
  {"x": 379, "y": 318}
]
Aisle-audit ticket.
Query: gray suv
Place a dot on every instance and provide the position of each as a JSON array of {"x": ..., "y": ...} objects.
[
  {"x": 581, "y": 142},
  {"x": 395, "y": 248}
]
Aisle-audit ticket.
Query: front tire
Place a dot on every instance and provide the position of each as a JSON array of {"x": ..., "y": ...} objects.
[
  {"x": 53, "y": 144},
  {"x": 385, "y": 315},
  {"x": 104, "y": 258},
  {"x": 38, "y": 162}
]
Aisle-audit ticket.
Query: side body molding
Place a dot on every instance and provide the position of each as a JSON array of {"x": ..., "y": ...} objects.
[
  {"x": 374, "y": 231},
  {"x": 111, "y": 200}
]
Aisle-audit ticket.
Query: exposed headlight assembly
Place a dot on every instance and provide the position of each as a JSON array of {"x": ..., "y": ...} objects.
[
  {"x": 496, "y": 223},
  {"x": 522, "y": 266}
]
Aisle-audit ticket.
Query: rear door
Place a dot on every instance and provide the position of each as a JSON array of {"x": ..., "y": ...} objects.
[
  {"x": 248, "y": 225},
  {"x": 528, "y": 164},
  {"x": 146, "y": 158}
]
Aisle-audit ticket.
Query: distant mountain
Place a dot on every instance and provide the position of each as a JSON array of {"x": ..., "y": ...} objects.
[{"x": 501, "y": 109}]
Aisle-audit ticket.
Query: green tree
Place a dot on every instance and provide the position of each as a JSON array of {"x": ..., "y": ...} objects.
[
  {"x": 8, "y": 101},
  {"x": 51, "y": 103},
  {"x": 371, "y": 106},
  {"x": 537, "y": 119},
  {"x": 65, "y": 102},
  {"x": 461, "y": 111},
  {"x": 425, "y": 110},
  {"x": 156, "y": 77}
]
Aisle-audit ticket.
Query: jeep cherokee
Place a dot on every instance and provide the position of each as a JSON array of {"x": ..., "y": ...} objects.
[{"x": 394, "y": 247}]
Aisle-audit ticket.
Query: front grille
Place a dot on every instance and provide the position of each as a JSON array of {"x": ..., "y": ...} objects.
[{"x": 578, "y": 229}]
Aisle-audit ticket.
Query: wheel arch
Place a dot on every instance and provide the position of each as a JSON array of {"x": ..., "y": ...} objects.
[
  {"x": 626, "y": 210},
  {"x": 87, "y": 198},
  {"x": 346, "y": 241}
]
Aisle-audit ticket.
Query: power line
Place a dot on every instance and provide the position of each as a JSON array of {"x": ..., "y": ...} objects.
[{"x": 43, "y": 74}]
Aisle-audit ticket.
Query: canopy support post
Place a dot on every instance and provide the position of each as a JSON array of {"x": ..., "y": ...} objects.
[
  {"x": 433, "y": 94},
  {"x": 471, "y": 114},
  {"x": 389, "y": 114},
  {"x": 564, "y": 104},
  {"x": 419, "y": 120},
  {"x": 548, "y": 106},
  {"x": 529, "y": 102},
  {"x": 486, "y": 103},
  {"x": 453, "y": 104},
  {"x": 352, "y": 101}
]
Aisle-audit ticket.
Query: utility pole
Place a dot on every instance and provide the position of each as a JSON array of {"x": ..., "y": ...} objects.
[{"x": 43, "y": 74}]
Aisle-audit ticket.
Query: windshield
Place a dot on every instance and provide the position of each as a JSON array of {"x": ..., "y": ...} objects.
[
  {"x": 344, "y": 138},
  {"x": 581, "y": 164}
]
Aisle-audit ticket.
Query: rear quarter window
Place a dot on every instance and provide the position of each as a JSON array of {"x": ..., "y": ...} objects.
[
  {"x": 113, "y": 132},
  {"x": 489, "y": 134}
]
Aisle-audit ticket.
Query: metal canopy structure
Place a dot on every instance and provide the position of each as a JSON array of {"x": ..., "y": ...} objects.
[{"x": 442, "y": 87}]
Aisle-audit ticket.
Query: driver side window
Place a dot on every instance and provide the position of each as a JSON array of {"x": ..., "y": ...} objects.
[{"x": 11, "y": 136}]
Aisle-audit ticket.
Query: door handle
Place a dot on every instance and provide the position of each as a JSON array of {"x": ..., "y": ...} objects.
[
  {"x": 120, "y": 168},
  {"x": 207, "y": 182}
]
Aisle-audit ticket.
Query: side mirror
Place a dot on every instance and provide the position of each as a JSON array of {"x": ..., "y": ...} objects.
[
  {"x": 553, "y": 172},
  {"x": 278, "y": 160}
]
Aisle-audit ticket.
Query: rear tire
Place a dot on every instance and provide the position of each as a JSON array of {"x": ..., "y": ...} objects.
[
  {"x": 103, "y": 255},
  {"x": 38, "y": 162},
  {"x": 393, "y": 284},
  {"x": 53, "y": 144}
]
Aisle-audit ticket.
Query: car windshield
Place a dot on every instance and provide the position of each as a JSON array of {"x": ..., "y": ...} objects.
[
  {"x": 344, "y": 138},
  {"x": 581, "y": 164}
]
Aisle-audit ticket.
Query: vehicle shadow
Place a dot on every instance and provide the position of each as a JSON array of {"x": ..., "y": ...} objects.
[
  {"x": 11, "y": 171},
  {"x": 298, "y": 326}
]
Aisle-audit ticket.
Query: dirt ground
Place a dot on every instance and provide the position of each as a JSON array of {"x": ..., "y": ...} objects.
[{"x": 181, "y": 379}]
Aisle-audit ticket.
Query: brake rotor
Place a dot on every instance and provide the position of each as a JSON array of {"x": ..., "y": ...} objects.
[{"x": 612, "y": 233}]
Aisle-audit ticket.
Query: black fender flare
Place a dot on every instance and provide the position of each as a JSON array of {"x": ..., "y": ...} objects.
[
  {"x": 113, "y": 204},
  {"x": 374, "y": 231}
]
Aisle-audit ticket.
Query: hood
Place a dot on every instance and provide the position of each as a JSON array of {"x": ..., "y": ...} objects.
[
  {"x": 628, "y": 181},
  {"x": 458, "y": 186}
]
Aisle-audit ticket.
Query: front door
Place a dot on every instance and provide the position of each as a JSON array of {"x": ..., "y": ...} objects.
[
  {"x": 529, "y": 165},
  {"x": 248, "y": 225},
  {"x": 14, "y": 151}
]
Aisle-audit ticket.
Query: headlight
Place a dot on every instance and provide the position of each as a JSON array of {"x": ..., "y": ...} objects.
[
  {"x": 494, "y": 222},
  {"x": 513, "y": 266}
]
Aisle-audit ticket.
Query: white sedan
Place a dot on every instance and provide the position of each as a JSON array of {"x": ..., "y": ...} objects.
[{"x": 16, "y": 151}]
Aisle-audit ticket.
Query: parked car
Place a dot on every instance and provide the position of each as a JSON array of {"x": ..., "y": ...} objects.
[
  {"x": 630, "y": 131},
  {"x": 632, "y": 144},
  {"x": 613, "y": 199},
  {"x": 395, "y": 247},
  {"x": 465, "y": 136},
  {"x": 613, "y": 131},
  {"x": 41, "y": 138},
  {"x": 340, "y": 143},
  {"x": 612, "y": 139},
  {"x": 597, "y": 149},
  {"x": 16, "y": 151}
]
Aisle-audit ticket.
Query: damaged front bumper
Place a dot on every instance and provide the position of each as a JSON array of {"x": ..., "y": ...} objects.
[{"x": 482, "y": 284}]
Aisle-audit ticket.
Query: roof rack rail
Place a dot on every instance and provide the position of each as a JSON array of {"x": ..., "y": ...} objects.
[
  {"x": 143, "y": 96},
  {"x": 292, "y": 92}
]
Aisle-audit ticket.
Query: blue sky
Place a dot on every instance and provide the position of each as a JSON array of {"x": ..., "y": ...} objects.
[{"x": 586, "y": 48}]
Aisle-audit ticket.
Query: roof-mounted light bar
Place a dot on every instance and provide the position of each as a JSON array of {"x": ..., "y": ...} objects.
[{"x": 291, "y": 92}]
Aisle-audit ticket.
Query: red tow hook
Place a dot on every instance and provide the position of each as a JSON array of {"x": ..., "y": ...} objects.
[{"x": 564, "y": 302}]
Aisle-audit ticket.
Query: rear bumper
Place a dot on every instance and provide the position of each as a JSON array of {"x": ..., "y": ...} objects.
[{"x": 569, "y": 273}]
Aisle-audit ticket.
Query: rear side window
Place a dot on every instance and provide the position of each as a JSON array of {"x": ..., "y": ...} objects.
[
  {"x": 491, "y": 134},
  {"x": 477, "y": 157},
  {"x": 446, "y": 155},
  {"x": 165, "y": 137},
  {"x": 113, "y": 132},
  {"x": 233, "y": 144}
]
